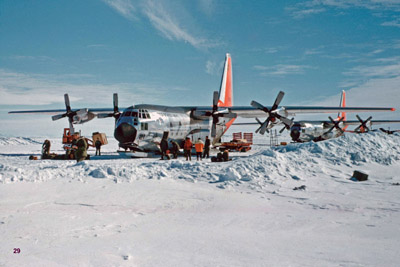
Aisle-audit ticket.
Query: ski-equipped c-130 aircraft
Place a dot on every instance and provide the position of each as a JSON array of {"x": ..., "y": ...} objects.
[{"x": 141, "y": 127}]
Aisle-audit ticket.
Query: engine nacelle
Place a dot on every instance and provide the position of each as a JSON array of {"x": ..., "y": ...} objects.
[
  {"x": 82, "y": 116},
  {"x": 200, "y": 114}
]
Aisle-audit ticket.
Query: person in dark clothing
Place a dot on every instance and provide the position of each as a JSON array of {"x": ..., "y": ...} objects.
[
  {"x": 45, "y": 149},
  {"x": 175, "y": 149},
  {"x": 206, "y": 151},
  {"x": 98, "y": 147},
  {"x": 81, "y": 152},
  {"x": 164, "y": 148}
]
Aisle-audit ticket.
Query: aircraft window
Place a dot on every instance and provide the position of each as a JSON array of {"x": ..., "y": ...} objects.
[
  {"x": 144, "y": 126},
  {"x": 134, "y": 114},
  {"x": 180, "y": 123},
  {"x": 135, "y": 123},
  {"x": 140, "y": 114},
  {"x": 303, "y": 130},
  {"x": 148, "y": 114},
  {"x": 170, "y": 124},
  {"x": 127, "y": 114}
]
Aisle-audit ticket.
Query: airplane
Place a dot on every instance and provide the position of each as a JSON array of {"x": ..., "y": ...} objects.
[
  {"x": 388, "y": 131},
  {"x": 307, "y": 130},
  {"x": 139, "y": 128}
]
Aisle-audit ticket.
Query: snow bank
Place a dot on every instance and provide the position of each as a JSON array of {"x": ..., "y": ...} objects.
[
  {"x": 112, "y": 211},
  {"x": 18, "y": 141},
  {"x": 265, "y": 167}
]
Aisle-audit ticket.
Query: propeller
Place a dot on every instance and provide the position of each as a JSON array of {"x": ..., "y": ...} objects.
[
  {"x": 335, "y": 125},
  {"x": 69, "y": 113},
  {"x": 363, "y": 126},
  {"x": 286, "y": 127},
  {"x": 216, "y": 114},
  {"x": 116, "y": 113},
  {"x": 272, "y": 114}
]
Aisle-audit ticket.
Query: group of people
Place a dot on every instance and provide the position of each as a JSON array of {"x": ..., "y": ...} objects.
[{"x": 202, "y": 148}]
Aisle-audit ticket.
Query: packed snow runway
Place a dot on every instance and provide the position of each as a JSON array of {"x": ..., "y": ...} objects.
[{"x": 112, "y": 211}]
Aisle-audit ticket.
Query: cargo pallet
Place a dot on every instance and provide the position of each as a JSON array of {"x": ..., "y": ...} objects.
[{"x": 238, "y": 143}]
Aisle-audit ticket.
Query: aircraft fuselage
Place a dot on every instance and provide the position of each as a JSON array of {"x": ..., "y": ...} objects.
[
  {"x": 306, "y": 132},
  {"x": 142, "y": 129}
]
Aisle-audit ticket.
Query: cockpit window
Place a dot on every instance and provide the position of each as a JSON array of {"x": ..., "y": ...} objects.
[
  {"x": 144, "y": 114},
  {"x": 134, "y": 114},
  {"x": 127, "y": 114}
]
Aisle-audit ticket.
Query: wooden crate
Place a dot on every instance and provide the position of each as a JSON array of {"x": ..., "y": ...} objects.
[{"x": 101, "y": 136}]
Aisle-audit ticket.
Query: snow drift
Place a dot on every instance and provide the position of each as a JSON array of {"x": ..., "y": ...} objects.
[{"x": 283, "y": 206}]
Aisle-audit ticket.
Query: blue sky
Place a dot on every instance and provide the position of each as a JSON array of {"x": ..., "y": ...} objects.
[{"x": 172, "y": 52}]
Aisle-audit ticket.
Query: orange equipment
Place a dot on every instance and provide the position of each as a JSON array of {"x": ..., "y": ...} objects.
[{"x": 238, "y": 144}]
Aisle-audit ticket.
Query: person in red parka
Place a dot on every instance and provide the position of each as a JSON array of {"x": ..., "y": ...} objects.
[{"x": 188, "y": 149}]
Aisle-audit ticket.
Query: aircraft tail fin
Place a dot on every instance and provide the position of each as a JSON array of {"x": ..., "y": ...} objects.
[
  {"x": 226, "y": 89},
  {"x": 342, "y": 104}
]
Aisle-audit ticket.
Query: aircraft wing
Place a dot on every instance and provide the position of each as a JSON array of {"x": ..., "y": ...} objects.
[
  {"x": 251, "y": 112},
  {"x": 58, "y": 111},
  {"x": 241, "y": 111},
  {"x": 373, "y": 122}
]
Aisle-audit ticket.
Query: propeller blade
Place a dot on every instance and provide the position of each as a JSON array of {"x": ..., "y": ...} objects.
[
  {"x": 215, "y": 99},
  {"x": 67, "y": 104},
  {"x": 214, "y": 130},
  {"x": 58, "y": 116},
  {"x": 257, "y": 105},
  {"x": 281, "y": 131},
  {"x": 264, "y": 126},
  {"x": 330, "y": 130},
  {"x": 228, "y": 115},
  {"x": 115, "y": 102},
  {"x": 358, "y": 128},
  {"x": 286, "y": 121},
  {"x": 103, "y": 115},
  {"x": 259, "y": 122},
  {"x": 278, "y": 100}
]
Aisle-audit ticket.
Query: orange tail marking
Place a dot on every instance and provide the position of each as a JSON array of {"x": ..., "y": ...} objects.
[{"x": 226, "y": 90}]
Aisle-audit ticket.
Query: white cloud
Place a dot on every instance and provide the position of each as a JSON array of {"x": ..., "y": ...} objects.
[
  {"x": 373, "y": 86},
  {"x": 380, "y": 71},
  {"x": 380, "y": 68},
  {"x": 307, "y": 8},
  {"x": 281, "y": 69},
  {"x": 169, "y": 26},
  {"x": 211, "y": 67},
  {"x": 167, "y": 21},
  {"x": 123, "y": 7},
  {"x": 393, "y": 23},
  {"x": 32, "y": 89},
  {"x": 36, "y": 58},
  {"x": 301, "y": 13}
]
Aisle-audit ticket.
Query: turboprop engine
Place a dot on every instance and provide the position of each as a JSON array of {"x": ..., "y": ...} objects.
[{"x": 82, "y": 116}]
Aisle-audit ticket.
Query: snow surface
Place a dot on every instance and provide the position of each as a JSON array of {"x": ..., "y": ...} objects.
[{"x": 113, "y": 211}]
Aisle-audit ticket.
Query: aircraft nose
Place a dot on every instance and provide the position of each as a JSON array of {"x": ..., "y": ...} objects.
[
  {"x": 125, "y": 133},
  {"x": 295, "y": 134}
]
